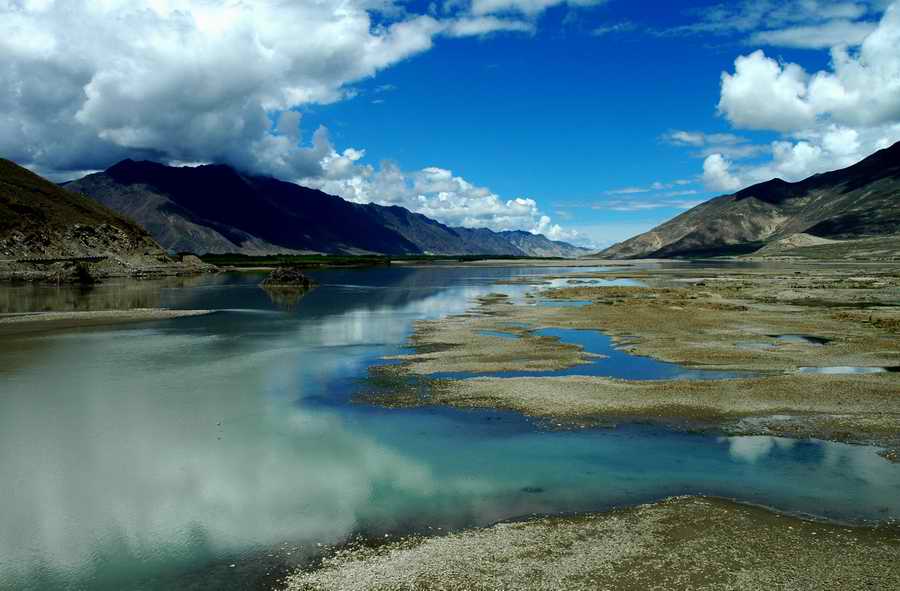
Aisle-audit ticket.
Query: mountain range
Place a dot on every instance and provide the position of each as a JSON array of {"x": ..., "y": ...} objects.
[
  {"x": 217, "y": 209},
  {"x": 146, "y": 209},
  {"x": 858, "y": 202}
]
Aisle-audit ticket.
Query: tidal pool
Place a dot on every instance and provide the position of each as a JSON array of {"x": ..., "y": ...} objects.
[{"x": 216, "y": 451}]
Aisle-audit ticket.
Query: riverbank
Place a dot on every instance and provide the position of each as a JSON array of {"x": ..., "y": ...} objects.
[
  {"x": 781, "y": 324},
  {"x": 39, "y": 322},
  {"x": 679, "y": 543},
  {"x": 90, "y": 270}
]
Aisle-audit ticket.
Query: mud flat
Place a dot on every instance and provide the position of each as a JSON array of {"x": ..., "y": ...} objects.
[
  {"x": 724, "y": 319},
  {"x": 679, "y": 543},
  {"x": 37, "y": 322}
]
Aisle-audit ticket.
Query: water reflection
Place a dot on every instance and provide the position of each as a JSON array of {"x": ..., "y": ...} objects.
[
  {"x": 149, "y": 456},
  {"x": 752, "y": 449},
  {"x": 118, "y": 294}
]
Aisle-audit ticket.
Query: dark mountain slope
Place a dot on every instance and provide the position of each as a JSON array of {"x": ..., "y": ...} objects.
[
  {"x": 215, "y": 209},
  {"x": 540, "y": 245},
  {"x": 859, "y": 201},
  {"x": 434, "y": 237}
]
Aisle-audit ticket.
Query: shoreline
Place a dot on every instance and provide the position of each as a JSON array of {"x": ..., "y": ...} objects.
[{"x": 676, "y": 543}]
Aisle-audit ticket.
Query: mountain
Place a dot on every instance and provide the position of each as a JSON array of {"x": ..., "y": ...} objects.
[
  {"x": 433, "y": 237},
  {"x": 216, "y": 209},
  {"x": 540, "y": 246},
  {"x": 39, "y": 220},
  {"x": 860, "y": 201}
]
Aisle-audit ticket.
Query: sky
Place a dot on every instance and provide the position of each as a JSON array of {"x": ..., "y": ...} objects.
[{"x": 586, "y": 120}]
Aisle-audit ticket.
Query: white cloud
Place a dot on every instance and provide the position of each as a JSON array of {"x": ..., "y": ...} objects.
[
  {"x": 753, "y": 15},
  {"x": 717, "y": 174},
  {"x": 629, "y": 205},
  {"x": 439, "y": 194},
  {"x": 621, "y": 27},
  {"x": 862, "y": 87},
  {"x": 698, "y": 138},
  {"x": 482, "y": 25},
  {"x": 727, "y": 144},
  {"x": 654, "y": 186},
  {"x": 830, "y": 34},
  {"x": 829, "y": 119},
  {"x": 526, "y": 7},
  {"x": 195, "y": 80},
  {"x": 763, "y": 94},
  {"x": 798, "y": 157},
  {"x": 223, "y": 81},
  {"x": 191, "y": 80}
]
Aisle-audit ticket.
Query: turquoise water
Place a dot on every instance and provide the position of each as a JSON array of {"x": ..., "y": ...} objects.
[
  {"x": 500, "y": 335},
  {"x": 219, "y": 451}
]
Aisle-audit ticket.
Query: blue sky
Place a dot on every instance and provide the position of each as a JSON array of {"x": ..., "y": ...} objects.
[
  {"x": 564, "y": 115},
  {"x": 588, "y": 120}
]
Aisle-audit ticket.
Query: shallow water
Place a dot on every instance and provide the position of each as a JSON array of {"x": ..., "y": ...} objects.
[
  {"x": 563, "y": 303},
  {"x": 613, "y": 362},
  {"x": 500, "y": 335},
  {"x": 206, "y": 452}
]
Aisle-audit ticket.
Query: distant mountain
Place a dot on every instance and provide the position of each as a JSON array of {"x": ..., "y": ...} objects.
[
  {"x": 860, "y": 201},
  {"x": 216, "y": 209},
  {"x": 541, "y": 246},
  {"x": 39, "y": 220}
]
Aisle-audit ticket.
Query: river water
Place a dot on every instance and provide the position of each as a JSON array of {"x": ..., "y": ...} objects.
[{"x": 219, "y": 451}]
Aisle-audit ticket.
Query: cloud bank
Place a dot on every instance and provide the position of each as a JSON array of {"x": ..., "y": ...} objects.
[{"x": 89, "y": 82}]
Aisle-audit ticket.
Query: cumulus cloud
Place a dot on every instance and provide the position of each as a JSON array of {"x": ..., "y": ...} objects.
[
  {"x": 439, "y": 194},
  {"x": 224, "y": 81},
  {"x": 829, "y": 119},
  {"x": 861, "y": 88},
  {"x": 804, "y": 154},
  {"x": 195, "y": 80},
  {"x": 763, "y": 94},
  {"x": 717, "y": 174},
  {"x": 198, "y": 80}
]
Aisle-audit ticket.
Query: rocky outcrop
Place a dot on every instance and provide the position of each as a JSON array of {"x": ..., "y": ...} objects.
[
  {"x": 50, "y": 234},
  {"x": 288, "y": 276}
]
